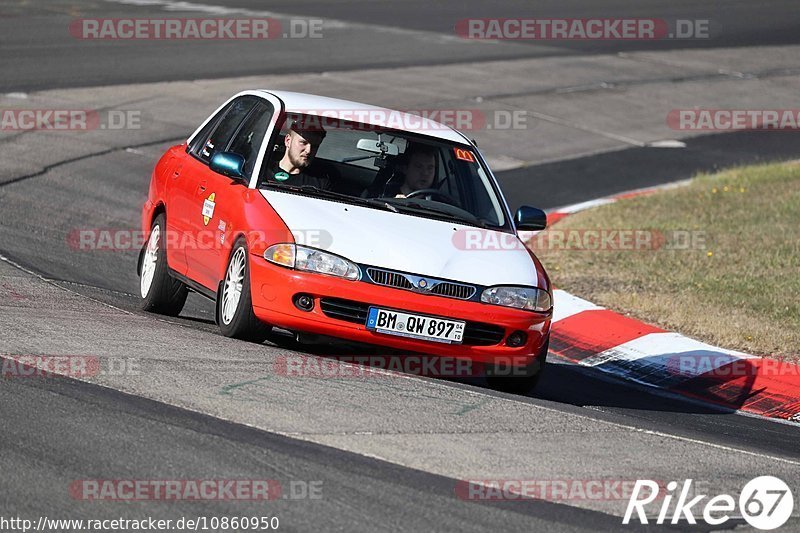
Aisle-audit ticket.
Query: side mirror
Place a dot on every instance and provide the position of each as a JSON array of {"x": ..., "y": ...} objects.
[
  {"x": 228, "y": 164},
  {"x": 530, "y": 219}
]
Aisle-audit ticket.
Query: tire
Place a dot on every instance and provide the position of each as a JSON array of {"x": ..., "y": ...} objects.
[
  {"x": 159, "y": 292},
  {"x": 234, "y": 301},
  {"x": 524, "y": 380}
]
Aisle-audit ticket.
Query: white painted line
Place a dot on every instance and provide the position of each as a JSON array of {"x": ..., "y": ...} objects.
[
  {"x": 665, "y": 435},
  {"x": 718, "y": 446},
  {"x": 662, "y": 359},
  {"x": 526, "y": 236},
  {"x": 664, "y": 348},
  {"x": 500, "y": 163},
  {"x": 55, "y": 284},
  {"x": 570, "y": 124},
  {"x": 566, "y": 305},
  {"x": 669, "y": 143},
  {"x": 582, "y": 206},
  {"x": 574, "y": 208}
]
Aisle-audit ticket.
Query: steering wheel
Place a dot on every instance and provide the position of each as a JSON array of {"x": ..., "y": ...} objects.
[{"x": 435, "y": 193}]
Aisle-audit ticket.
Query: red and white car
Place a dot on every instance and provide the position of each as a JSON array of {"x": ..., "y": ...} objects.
[{"x": 366, "y": 257}]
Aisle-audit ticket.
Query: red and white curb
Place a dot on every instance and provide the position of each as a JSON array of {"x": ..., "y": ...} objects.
[
  {"x": 557, "y": 214},
  {"x": 590, "y": 335}
]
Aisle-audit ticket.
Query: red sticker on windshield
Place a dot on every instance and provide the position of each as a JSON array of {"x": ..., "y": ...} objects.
[{"x": 464, "y": 155}]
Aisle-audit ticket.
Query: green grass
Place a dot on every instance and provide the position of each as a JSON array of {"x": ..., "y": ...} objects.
[{"x": 739, "y": 289}]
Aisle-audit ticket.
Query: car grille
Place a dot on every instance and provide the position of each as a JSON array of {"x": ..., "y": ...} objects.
[
  {"x": 345, "y": 310},
  {"x": 475, "y": 333},
  {"x": 389, "y": 279},
  {"x": 448, "y": 289},
  {"x": 454, "y": 290}
]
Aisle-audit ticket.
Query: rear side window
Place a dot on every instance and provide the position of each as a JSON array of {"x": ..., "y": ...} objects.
[
  {"x": 224, "y": 129},
  {"x": 247, "y": 140}
]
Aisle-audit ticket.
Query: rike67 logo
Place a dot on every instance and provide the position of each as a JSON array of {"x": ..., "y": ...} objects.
[{"x": 765, "y": 503}]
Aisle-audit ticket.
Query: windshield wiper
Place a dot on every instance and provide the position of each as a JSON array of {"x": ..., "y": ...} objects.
[
  {"x": 384, "y": 203},
  {"x": 473, "y": 219},
  {"x": 314, "y": 190},
  {"x": 416, "y": 206}
]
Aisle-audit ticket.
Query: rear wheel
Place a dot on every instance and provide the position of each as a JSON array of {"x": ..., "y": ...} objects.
[
  {"x": 160, "y": 292},
  {"x": 519, "y": 380},
  {"x": 234, "y": 302}
]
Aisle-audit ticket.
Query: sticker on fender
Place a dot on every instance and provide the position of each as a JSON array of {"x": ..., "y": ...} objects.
[
  {"x": 208, "y": 208},
  {"x": 427, "y": 328}
]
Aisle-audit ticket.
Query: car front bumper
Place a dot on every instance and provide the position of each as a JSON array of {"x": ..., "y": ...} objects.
[{"x": 340, "y": 308}]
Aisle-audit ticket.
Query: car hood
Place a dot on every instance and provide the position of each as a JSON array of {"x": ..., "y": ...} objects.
[{"x": 407, "y": 243}]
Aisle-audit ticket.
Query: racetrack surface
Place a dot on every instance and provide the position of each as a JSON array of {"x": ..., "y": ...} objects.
[
  {"x": 381, "y": 34},
  {"x": 455, "y": 430},
  {"x": 351, "y": 491},
  {"x": 389, "y": 451}
]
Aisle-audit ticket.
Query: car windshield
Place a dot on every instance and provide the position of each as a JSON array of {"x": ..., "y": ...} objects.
[{"x": 387, "y": 169}]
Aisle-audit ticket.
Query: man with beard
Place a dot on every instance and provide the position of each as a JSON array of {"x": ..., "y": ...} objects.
[{"x": 301, "y": 141}]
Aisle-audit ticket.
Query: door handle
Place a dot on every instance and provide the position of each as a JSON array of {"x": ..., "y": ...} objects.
[
  {"x": 177, "y": 171},
  {"x": 202, "y": 187}
]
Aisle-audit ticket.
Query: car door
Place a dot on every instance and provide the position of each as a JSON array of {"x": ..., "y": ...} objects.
[
  {"x": 192, "y": 180},
  {"x": 182, "y": 182},
  {"x": 218, "y": 200},
  {"x": 176, "y": 224}
]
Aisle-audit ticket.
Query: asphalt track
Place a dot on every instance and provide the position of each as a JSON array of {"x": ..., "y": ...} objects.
[
  {"x": 41, "y": 54},
  {"x": 56, "y": 431},
  {"x": 358, "y": 493}
]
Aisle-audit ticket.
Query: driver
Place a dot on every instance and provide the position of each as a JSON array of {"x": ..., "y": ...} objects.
[
  {"x": 302, "y": 142},
  {"x": 419, "y": 169}
]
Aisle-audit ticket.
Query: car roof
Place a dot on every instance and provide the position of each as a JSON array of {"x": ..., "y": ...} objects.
[{"x": 365, "y": 113}]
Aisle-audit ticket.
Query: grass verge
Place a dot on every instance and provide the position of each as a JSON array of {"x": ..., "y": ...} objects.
[{"x": 717, "y": 260}]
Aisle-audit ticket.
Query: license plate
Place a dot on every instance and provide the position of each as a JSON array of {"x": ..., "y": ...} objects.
[{"x": 429, "y": 328}]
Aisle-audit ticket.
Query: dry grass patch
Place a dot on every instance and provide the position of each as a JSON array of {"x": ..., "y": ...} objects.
[{"x": 737, "y": 287}]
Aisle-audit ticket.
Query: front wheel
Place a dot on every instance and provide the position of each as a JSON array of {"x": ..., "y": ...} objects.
[
  {"x": 234, "y": 302},
  {"x": 159, "y": 291}
]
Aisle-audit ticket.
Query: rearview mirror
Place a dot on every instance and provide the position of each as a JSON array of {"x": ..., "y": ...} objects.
[
  {"x": 530, "y": 219},
  {"x": 377, "y": 147},
  {"x": 228, "y": 164}
]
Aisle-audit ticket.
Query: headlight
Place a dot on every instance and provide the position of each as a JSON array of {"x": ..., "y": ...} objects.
[
  {"x": 528, "y": 298},
  {"x": 311, "y": 260}
]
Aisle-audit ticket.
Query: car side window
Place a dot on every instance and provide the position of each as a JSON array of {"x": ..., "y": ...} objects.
[
  {"x": 226, "y": 128},
  {"x": 247, "y": 140}
]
